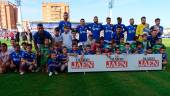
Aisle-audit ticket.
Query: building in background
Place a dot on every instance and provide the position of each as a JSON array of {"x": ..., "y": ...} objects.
[
  {"x": 8, "y": 15},
  {"x": 53, "y": 11}
]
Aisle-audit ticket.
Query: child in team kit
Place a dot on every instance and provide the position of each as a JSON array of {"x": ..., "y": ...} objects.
[
  {"x": 88, "y": 50},
  {"x": 139, "y": 48},
  {"x": 149, "y": 50},
  {"x": 53, "y": 64},
  {"x": 117, "y": 51},
  {"x": 164, "y": 57},
  {"x": 75, "y": 50},
  {"x": 63, "y": 58},
  {"x": 157, "y": 46},
  {"x": 98, "y": 51},
  {"x": 121, "y": 45},
  {"x": 113, "y": 46},
  {"x": 57, "y": 48},
  {"x": 16, "y": 58},
  {"x": 127, "y": 49},
  {"x": 28, "y": 60},
  {"x": 107, "y": 50},
  {"x": 24, "y": 46},
  {"x": 145, "y": 42}
]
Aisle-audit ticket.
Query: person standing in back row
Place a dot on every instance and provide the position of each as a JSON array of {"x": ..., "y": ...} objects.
[
  {"x": 131, "y": 31},
  {"x": 95, "y": 28},
  {"x": 119, "y": 23},
  {"x": 65, "y": 22},
  {"x": 108, "y": 30},
  {"x": 157, "y": 24},
  {"x": 140, "y": 29},
  {"x": 82, "y": 30}
]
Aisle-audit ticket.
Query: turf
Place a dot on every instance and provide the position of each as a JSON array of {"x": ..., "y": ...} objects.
[{"x": 152, "y": 83}]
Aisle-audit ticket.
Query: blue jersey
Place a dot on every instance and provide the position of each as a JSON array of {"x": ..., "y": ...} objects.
[
  {"x": 95, "y": 28},
  {"x": 30, "y": 57},
  {"x": 161, "y": 29},
  {"x": 131, "y": 32},
  {"x": 63, "y": 58},
  {"x": 164, "y": 56},
  {"x": 82, "y": 30},
  {"x": 53, "y": 62},
  {"x": 122, "y": 25},
  {"x": 78, "y": 52},
  {"x": 108, "y": 31},
  {"x": 152, "y": 40},
  {"x": 62, "y": 24},
  {"x": 39, "y": 39},
  {"x": 16, "y": 56},
  {"x": 117, "y": 37}
]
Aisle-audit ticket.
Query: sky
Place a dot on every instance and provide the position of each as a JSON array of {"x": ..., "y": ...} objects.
[{"x": 87, "y": 9}]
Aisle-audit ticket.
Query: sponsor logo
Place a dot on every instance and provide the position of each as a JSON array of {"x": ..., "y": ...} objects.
[{"x": 148, "y": 62}]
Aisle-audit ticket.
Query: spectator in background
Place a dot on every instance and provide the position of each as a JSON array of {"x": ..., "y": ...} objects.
[
  {"x": 29, "y": 36},
  {"x": 17, "y": 36},
  {"x": 157, "y": 23},
  {"x": 95, "y": 28},
  {"x": 40, "y": 36},
  {"x": 119, "y": 23},
  {"x": 65, "y": 22},
  {"x": 6, "y": 36},
  {"x": 23, "y": 35},
  {"x": 140, "y": 28},
  {"x": 108, "y": 30},
  {"x": 11, "y": 34},
  {"x": 131, "y": 31}
]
